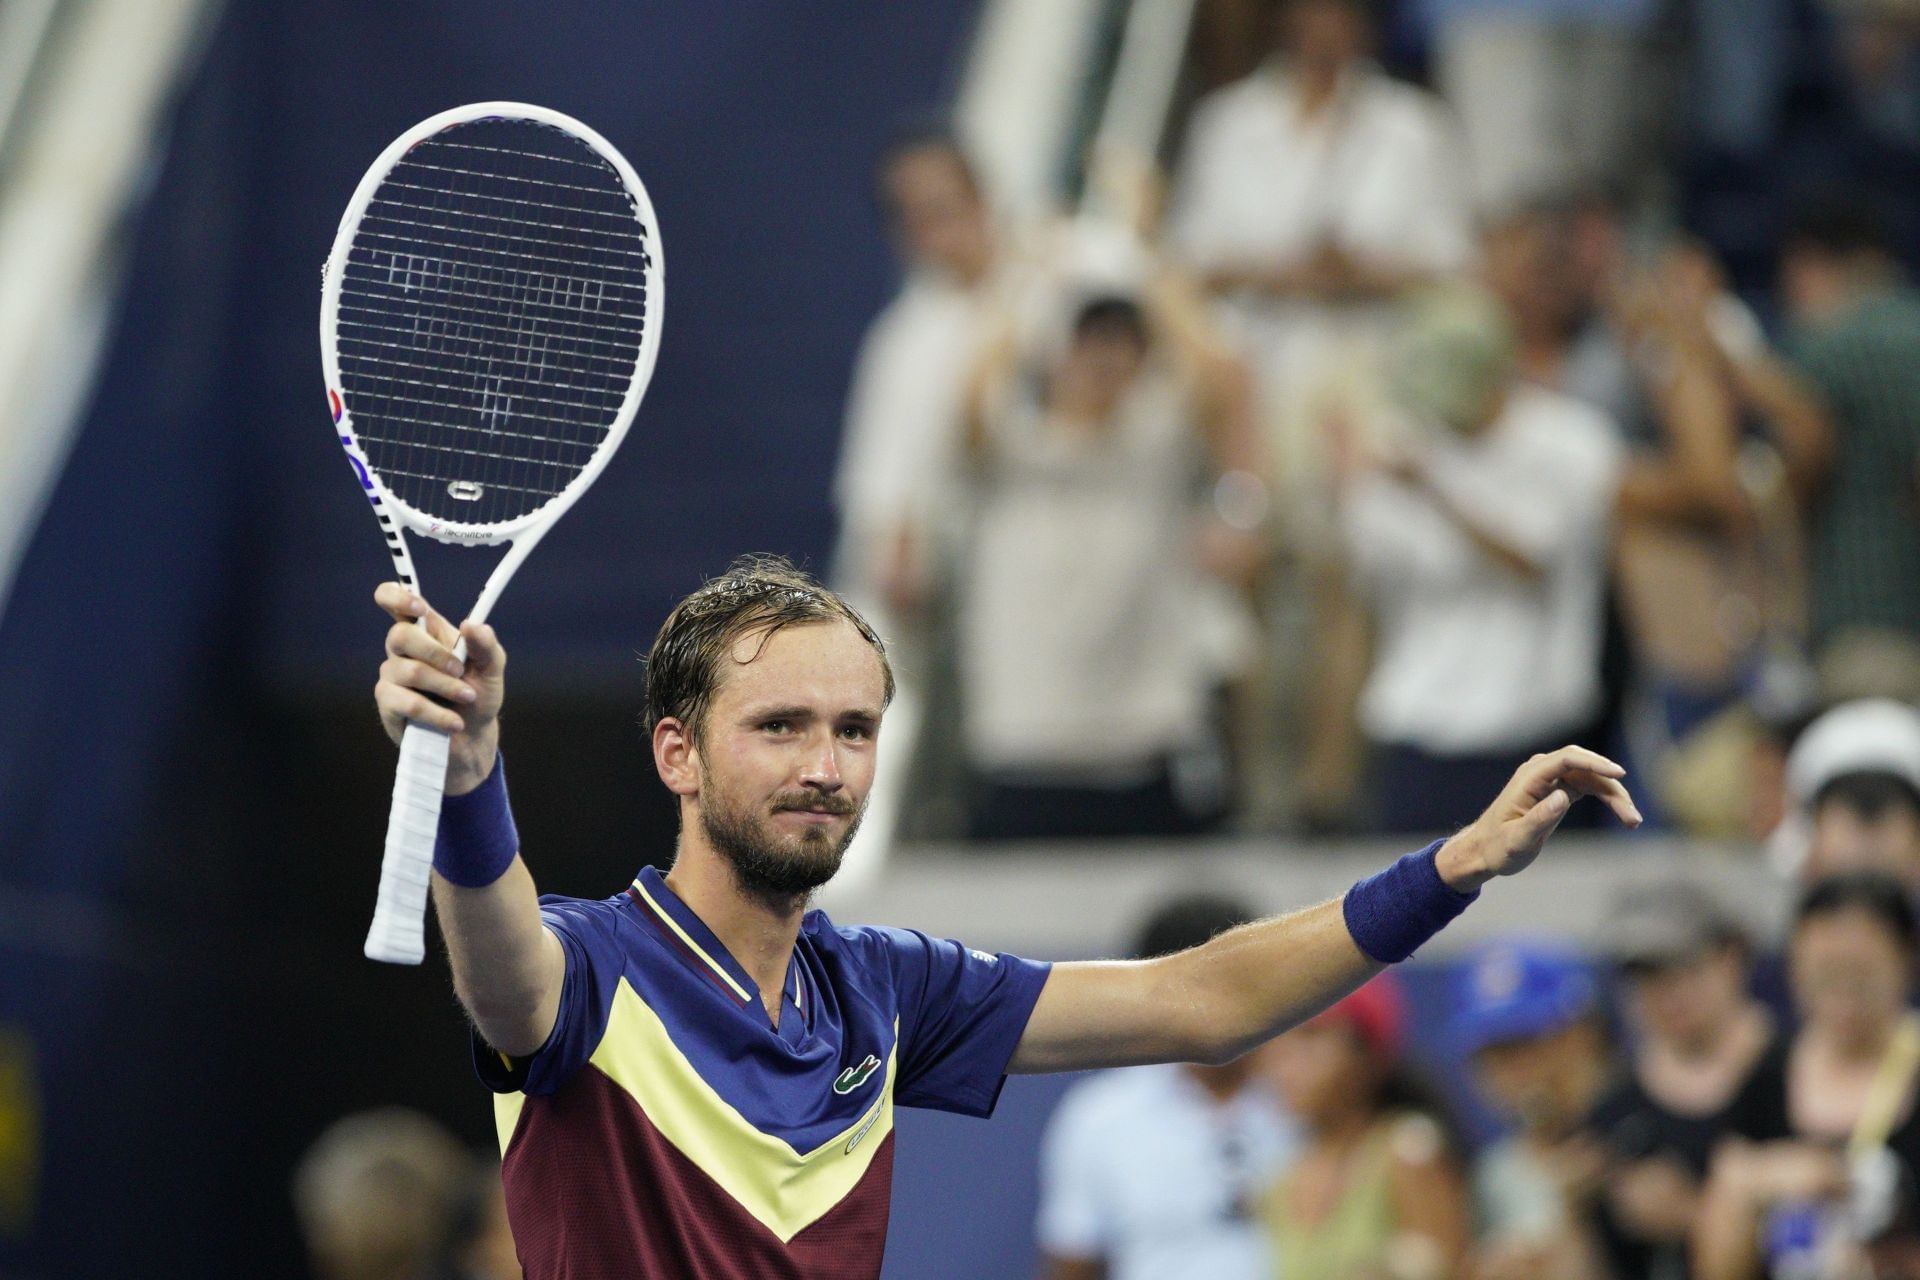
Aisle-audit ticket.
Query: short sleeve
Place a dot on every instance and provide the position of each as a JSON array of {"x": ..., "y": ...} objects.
[
  {"x": 1070, "y": 1222},
  {"x": 588, "y": 935},
  {"x": 962, "y": 1014}
]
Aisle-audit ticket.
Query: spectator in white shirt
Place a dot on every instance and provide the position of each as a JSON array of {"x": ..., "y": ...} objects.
[
  {"x": 1088, "y": 659},
  {"x": 1312, "y": 193},
  {"x": 894, "y": 490},
  {"x": 904, "y": 404},
  {"x": 1150, "y": 1173},
  {"x": 1480, "y": 548},
  {"x": 1310, "y": 196}
]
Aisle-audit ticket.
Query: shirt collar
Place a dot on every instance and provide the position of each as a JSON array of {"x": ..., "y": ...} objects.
[{"x": 702, "y": 948}]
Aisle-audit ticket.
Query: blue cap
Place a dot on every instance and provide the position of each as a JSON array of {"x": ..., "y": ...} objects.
[{"x": 1518, "y": 989}]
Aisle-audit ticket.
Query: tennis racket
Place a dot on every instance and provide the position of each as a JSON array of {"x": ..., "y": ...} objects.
[{"x": 489, "y": 319}]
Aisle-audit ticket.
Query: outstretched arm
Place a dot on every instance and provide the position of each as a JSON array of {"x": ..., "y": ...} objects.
[
  {"x": 507, "y": 967},
  {"x": 1214, "y": 1002}
]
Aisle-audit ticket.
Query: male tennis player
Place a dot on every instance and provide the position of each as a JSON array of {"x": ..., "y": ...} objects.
[{"x": 696, "y": 1076}]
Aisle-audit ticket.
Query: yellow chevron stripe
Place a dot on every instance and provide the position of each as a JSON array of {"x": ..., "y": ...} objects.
[
  {"x": 785, "y": 1189},
  {"x": 693, "y": 946},
  {"x": 506, "y": 1115}
]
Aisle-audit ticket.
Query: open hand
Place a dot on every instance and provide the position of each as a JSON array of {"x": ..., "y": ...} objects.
[
  {"x": 422, "y": 680},
  {"x": 1506, "y": 839}
]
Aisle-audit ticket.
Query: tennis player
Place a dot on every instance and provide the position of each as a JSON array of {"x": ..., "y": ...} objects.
[{"x": 696, "y": 1077}]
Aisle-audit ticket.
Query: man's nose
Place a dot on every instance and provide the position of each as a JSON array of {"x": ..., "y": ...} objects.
[{"x": 820, "y": 769}]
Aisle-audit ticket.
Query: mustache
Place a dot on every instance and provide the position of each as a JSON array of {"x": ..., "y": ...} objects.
[{"x": 838, "y": 805}]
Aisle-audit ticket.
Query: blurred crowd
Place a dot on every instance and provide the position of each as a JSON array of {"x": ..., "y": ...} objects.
[
  {"x": 1401, "y": 431},
  {"x": 1685, "y": 1105},
  {"x": 390, "y": 1194},
  {"x": 1470, "y": 377}
]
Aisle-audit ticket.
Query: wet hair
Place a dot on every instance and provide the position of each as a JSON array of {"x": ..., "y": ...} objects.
[
  {"x": 1870, "y": 793},
  {"x": 1837, "y": 225},
  {"x": 757, "y": 595},
  {"x": 1874, "y": 892},
  {"x": 1186, "y": 922},
  {"x": 1111, "y": 315}
]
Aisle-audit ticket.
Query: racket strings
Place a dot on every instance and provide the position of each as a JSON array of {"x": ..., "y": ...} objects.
[{"x": 490, "y": 318}]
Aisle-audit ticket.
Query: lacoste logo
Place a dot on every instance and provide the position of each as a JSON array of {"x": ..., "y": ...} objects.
[{"x": 853, "y": 1077}]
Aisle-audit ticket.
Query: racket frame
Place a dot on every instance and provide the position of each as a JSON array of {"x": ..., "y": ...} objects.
[{"x": 397, "y": 934}]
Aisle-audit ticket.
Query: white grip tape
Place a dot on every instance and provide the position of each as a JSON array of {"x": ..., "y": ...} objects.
[{"x": 398, "y": 935}]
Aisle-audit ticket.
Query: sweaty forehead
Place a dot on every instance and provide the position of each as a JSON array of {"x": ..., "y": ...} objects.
[{"x": 826, "y": 666}]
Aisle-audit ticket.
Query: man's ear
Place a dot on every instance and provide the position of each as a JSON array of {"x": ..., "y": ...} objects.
[{"x": 676, "y": 757}]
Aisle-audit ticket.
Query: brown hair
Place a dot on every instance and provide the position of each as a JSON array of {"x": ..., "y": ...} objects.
[{"x": 756, "y": 594}]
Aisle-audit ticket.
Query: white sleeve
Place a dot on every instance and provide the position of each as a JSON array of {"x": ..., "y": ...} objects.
[
  {"x": 1205, "y": 163},
  {"x": 902, "y": 417},
  {"x": 1073, "y": 1218},
  {"x": 1392, "y": 534},
  {"x": 1552, "y": 503},
  {"x": 1443, "y": 235}
]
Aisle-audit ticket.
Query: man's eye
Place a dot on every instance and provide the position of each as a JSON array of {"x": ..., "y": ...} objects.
[
  {"x": 777, "y": 726},
  {"x": 858, "y": 732}
]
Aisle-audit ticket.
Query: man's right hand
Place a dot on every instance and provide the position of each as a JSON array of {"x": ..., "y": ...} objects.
[{"x": 420, "y": 662}]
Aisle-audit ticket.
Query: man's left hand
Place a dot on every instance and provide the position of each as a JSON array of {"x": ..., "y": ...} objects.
[{"x": 1506, "y": 839}]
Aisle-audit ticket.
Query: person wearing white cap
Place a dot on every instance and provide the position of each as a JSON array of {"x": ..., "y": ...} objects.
[{"x": 1853, "y": 792}]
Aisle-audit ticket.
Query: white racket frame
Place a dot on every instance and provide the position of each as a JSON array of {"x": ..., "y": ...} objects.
[{"x": 398, "y": 932}]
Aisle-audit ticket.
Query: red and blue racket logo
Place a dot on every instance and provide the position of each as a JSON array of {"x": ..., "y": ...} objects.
[{"x": 333, "y": 398}]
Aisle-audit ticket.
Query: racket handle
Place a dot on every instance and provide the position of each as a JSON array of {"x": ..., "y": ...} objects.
[{"x": 398, "y": 935}]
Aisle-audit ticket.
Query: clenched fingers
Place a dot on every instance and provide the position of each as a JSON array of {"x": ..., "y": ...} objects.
[
  {"x": 407, "y": 607},
  {"x": 404, "y": 640},
  {"x": 401, "y": 703},
  {"x": 410, "y": 673},
  {"x": 485, "y": 654}
]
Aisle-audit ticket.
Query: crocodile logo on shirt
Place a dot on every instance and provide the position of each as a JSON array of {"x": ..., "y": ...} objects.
[{"x": 853, "y": 1077}]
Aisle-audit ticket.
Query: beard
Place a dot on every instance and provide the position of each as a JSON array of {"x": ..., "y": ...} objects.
[{"x": 772, "y": 865}]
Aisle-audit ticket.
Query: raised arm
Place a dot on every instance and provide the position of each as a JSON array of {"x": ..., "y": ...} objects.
[
  {"x": 507, "y": 966},
  {"x": 1214, "y": 1002}
]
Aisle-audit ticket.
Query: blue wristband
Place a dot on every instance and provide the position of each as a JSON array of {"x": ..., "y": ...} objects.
[
  {"x": 477, "y": 840},
  {"x": 1391, "y": 913}
]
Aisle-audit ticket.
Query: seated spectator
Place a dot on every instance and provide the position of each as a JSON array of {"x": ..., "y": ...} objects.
[
  {"x": 1376, "y": 1193},
  {"x": 1859, "y": 347},
  {"x": 1086, "y": 681},
  {"x": 1824, "y": 1133},
  {"x": 1696, "y": 1033},
  {"x": 1150, "y": 1173},
  {"x": 379, "y": 1196},
  {"x": 1479, "y": 547},
  {"x": 1530, "y": 1019},
  {"x": 1853, "y": 784}
]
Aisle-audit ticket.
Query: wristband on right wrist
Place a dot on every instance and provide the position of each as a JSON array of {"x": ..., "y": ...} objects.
[{"x": 477, "y": 840}]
